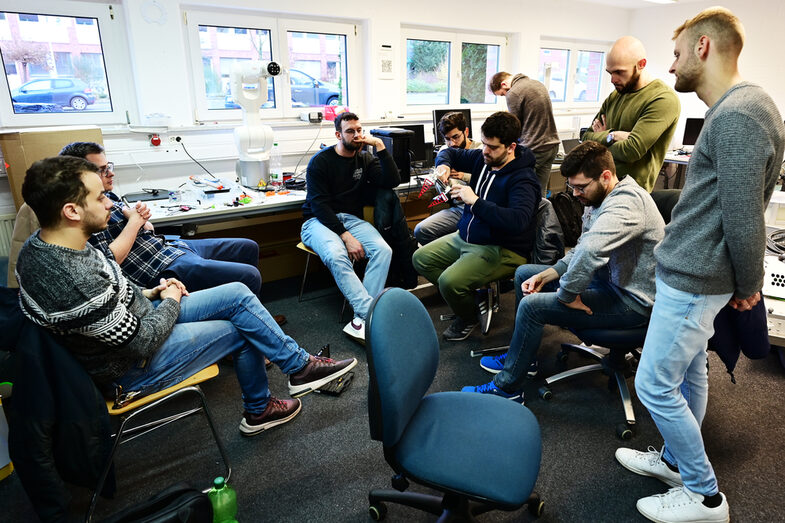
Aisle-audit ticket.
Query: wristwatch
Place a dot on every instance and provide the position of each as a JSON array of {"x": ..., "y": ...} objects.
[{"x": 609, "y": 138}]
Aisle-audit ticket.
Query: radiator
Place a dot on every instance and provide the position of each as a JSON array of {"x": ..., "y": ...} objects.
[{"x": 6, "y": 230}]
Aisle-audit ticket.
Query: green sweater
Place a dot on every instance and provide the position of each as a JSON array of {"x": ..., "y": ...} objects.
[{"x": 650, "y": 115}]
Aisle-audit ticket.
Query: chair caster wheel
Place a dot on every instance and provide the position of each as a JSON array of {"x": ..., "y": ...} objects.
[
  {"x": 377, "y": 511},
  {"x": 625, "y": 431},
  {"x": 561, "y": 356},
  {"x": 545, "y": 393},
  {"x": 535, "y": 506}
]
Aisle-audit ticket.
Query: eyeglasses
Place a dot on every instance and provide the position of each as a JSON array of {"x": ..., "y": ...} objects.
[
  {"x": 106, "y": 168},
  {"x": 580, "y": 188}
]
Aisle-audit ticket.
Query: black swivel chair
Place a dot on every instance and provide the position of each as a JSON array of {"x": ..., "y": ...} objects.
[
  {"x": 612, "y": 347},
  {"x": 482, "y": 452}
]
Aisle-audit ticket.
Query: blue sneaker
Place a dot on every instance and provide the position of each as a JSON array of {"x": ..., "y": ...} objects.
[
  {"x": 495, "y": 364},
  {"x": 490, "y": 388}
]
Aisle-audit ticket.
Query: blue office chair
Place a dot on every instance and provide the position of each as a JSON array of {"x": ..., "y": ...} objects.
[
  {"x": 613, "y": 348},
  {"x": 482, "y": 452}
]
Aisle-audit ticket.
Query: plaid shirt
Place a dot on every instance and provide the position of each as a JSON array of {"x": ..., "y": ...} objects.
[{"x": 149, "y": 256}]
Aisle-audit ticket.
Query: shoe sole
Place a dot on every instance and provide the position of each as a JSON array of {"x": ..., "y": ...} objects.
[
  {"x": 353, "y": 337},
  {"x": 460, "y": 337},
  {"x": 297, "y": 391},
  {"x": 251, "y": 430},
  {"x": 669, "y": 482},
  {"x": 652, "y": 517},
  {"x": 489, "y": 369}
]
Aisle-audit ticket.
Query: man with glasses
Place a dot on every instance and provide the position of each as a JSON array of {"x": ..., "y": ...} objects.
[
  {"x": 145, "y": 257},
  {"x": 607, "y": 280}
]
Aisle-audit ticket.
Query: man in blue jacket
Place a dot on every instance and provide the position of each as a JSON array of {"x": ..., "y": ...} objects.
[{"x": 496, "y": 231}]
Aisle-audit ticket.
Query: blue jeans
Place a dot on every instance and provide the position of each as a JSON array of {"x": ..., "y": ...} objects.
[
  {"x": 332, "y": 252},
  {"x": 212, "y": 262},
  {"x": 541, "y": 308},
  {"x": 672, "y": 379},
  {"x": 437, "y": 225},
  {"x": 214, "y": 323}
]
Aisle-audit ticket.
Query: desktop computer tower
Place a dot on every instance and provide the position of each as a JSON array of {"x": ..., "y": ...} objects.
[{"x": 397, "y": 142}]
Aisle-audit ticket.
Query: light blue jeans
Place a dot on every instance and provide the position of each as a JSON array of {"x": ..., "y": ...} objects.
[
  {"x": 672, "y": 379},
  {"x": 437, "y": 225},
  {"x": 213, "y": 323},
  {"x": 332, "y": 252}
]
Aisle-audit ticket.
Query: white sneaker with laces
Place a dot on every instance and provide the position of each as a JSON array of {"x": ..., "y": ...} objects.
[
  {"x": 681, "y": 505},
  {"x": 648, "y": 464},
  {"x": 355, "y": 329}
]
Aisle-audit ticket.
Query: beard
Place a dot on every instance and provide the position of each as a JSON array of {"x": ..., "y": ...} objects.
[
  {"x": 351, "y": 145},
  {"x": 631, "y": 83},
  {"x": 462, "y": 145},
  {"x": 95, "y": 224},
  {"x": 495, "y": 162},
  {"x": 688, "y": 78}
]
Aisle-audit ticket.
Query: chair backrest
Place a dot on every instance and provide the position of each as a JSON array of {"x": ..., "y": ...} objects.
[
  {"x": 549, "y": 237},
  {"x": 666, "y": 200},
  {"x": 403, "y": 354}
]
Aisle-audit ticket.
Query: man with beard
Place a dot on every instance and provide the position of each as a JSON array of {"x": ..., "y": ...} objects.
[
  {"x": 530, "y": 102},
  {"x": 496, "y": 230},
  {"x": 636, "y": 122},
  {"x": 144, "y": 340},
  {"x": 606, "y": 281},
  {"x": 455, "y": 131},
  {"x": 711, "y": 257},
  {"x": 339, "y": 179}
]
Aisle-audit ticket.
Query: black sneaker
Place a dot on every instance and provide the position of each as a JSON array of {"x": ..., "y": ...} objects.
[
  {"x": 458, "y": 330},
  {"x": 277, "y": 412},
  {"x": 318, "y": 372}
]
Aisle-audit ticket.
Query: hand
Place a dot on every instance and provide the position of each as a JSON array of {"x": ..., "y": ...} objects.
[
  {"x": 744, "y": 304},
  {"x": 353, "y": 247},
  {"x": 456, "y": 174},
  {"x": 443, "y": 173},
  {"x": 533, "y": 284},
  {"x": 620, "y": 136},
  {"x": 578, "y": 305},
  {"x": 464, "y": 193},
  {"x": 148, "y": 227},
  {"x": 143, "y": 210},
  {"x": 372, "y": 140},
  {"x": 598, "y": 125},
  {"x": 156, "y": 291}
]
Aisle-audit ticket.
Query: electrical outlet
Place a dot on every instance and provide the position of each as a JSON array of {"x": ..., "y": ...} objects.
[{"x": 174, "y": 139}]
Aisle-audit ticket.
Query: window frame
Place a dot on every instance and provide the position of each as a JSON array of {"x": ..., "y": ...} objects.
[
  {"x": 574, "y": 47},
  {"x": 278, "y": 28},
  {"x": 456, "y": 39},
  {"x": 111, "y": 26}
]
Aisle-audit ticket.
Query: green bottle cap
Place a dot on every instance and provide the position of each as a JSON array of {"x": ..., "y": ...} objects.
[{"x": 219, "y": 482}]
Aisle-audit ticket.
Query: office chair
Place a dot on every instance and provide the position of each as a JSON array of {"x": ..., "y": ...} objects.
[
  {"x": 481, "y": 452},
  {"x": 613, "y": 348}
]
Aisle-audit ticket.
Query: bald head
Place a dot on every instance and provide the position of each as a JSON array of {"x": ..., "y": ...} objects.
[{"x": 626, "y": 64}]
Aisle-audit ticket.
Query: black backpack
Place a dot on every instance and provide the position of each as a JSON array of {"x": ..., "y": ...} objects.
[
  {"x": 570, "y": 213},
  {"x": 179, "y": 503}
]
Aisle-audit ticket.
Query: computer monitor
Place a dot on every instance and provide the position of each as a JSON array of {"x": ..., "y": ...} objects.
[
  {"x": 692, "y": 128},
  {"x": 417, "y": 152},
  {"x": 438, "y": 139}
]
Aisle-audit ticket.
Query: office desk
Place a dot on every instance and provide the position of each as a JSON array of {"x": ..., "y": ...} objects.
[{"x": 680, "y": 161}]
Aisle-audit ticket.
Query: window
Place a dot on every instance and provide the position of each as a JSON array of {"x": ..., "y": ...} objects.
[
  {"x": 572, "y": 71},
  {"x": 315, "y": 57},
  {"x": 54, "y": 68},
  {"x": 449, "y": 68}
]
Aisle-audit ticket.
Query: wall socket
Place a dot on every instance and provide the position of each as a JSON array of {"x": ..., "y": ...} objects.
[{"x": 174, "y": 139}]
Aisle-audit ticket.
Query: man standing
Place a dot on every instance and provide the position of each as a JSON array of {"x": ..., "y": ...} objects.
[
  {"x": 529, "y": 100},
  {"x": 606, "y": 281},
  {"x": 636, "y": 122},
  {"x": 455, "y": 130},
  {"x": 339, "y": 180},
  {"x": 147, "y": 340},
  {"x": 712, "y": 256},
  {"x": 496, "y": 230}
]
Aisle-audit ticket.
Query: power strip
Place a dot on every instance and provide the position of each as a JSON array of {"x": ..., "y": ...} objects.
[{"x": 776, "y": 320}]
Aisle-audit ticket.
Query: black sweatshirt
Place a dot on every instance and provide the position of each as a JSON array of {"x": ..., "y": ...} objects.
[{"x": 339, "y": 184}]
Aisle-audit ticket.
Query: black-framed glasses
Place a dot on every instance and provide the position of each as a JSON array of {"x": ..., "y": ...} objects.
[
  {"x": 106, "y": 168},
  {"x": 580, "y": 188}
]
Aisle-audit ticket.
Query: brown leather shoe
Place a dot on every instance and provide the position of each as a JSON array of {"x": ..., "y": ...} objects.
[
  {"x": 316, "y": 373},
  {"x": 276, "y": 413}
]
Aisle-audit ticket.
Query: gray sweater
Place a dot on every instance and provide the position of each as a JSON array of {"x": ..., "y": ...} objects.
[
  {"x": 529, "y": 100},
  {"x": 83, "y": 297},
  {"x": 716, "y": 239},
  {"x": 616, "y": 245}
]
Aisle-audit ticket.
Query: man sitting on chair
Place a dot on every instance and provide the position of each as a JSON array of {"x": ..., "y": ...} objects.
[
  {"x": 606, "y": 281},
  {"x": 147, "y": 340},
  {"x": 497, "y": 228}
]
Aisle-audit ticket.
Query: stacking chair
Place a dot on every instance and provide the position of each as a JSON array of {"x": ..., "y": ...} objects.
[
  {"x": 612, "y": 348},
  {"x": 480, "y": 452},
  {"x": 130, "y": 410}
]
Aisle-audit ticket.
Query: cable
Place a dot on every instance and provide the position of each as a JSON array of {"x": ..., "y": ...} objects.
[
  {"x": 775, "y": 241},
  {"x": 318, "y": 130},
  {"x": 180, "y": 141}
]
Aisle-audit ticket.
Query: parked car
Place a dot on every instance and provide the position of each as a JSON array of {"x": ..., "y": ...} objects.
[
  {"x": 306, "y": 90},
  {"x": 63, "y": 92}
]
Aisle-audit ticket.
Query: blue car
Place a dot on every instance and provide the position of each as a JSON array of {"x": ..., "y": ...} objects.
[
  {"x": 307, "y": 91},
  {"x": 62, "y": 92}
]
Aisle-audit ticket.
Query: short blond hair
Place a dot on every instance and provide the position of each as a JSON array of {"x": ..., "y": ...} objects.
[{"x": 718, "y": 23}]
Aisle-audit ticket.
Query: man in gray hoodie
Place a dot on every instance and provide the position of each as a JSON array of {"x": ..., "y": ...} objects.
[{"x": 606, "y": 281}]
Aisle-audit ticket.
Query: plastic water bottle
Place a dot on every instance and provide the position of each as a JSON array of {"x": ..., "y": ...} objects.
[
  {"x": 276, "y": 168},
  {"x": 223, "y": 498}
]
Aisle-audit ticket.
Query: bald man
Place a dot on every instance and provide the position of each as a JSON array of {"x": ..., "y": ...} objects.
[{"x": 636, "y": 122}]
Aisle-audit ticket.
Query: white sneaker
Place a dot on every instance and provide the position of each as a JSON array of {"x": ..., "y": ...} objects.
[
  {"x": 355, "y": 329},
  {"x": 681, "y": 505},
  {"x": 648, "y": 464}
]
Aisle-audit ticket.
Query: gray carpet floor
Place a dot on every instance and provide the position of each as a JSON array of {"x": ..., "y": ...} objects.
[{"x": 320, "y": 466}]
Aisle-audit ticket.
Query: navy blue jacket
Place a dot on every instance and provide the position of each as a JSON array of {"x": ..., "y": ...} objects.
[{"x": 506, "y": 212}]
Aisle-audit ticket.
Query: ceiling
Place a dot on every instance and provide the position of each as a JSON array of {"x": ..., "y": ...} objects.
[{"x": 633, "y": 4}]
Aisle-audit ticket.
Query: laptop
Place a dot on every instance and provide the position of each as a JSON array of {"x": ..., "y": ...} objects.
[{"x": 570, "y": 144}]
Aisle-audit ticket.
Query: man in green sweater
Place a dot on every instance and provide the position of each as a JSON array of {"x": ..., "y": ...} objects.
[{"x": 636, "y": 122}]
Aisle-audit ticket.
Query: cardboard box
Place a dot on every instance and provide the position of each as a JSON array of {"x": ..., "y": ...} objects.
[{"x": 22, "y": 147}]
